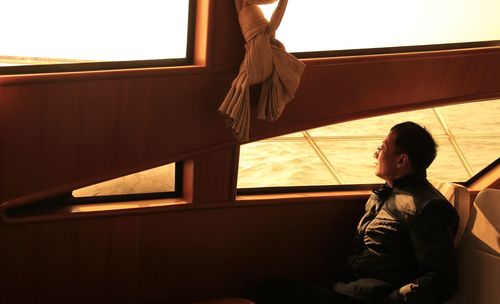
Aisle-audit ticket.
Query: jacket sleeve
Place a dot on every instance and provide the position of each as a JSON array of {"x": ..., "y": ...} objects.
[{"x": 432, "y": 236}]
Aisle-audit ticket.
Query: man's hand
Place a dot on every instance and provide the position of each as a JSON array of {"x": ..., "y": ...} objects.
[{"x": 366, "y": 290}]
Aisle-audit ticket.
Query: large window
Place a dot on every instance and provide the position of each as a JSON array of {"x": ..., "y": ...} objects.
[
  {"x": 60, "y": 32},
  {"x": 468, "y": 136},
  {"x": 321, "y": 25}
]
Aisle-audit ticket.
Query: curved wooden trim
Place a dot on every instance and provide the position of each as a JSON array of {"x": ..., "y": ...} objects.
[{"x": 127, "y": 208}]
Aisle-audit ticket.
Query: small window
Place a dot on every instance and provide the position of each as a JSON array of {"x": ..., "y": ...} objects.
[
  {"x": 342, "y": 154},
  {"x": 94, "y": 34},
  {"x": 318, "y": 25},
  {"x": 159, "y": 182},
  {"x": 123, "y": 192}
]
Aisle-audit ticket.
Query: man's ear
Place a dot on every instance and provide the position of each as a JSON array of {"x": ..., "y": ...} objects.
[{"x": 403, "y": 161}]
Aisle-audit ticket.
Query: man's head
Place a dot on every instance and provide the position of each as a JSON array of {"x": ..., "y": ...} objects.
[{"x": 406, "y": 149}]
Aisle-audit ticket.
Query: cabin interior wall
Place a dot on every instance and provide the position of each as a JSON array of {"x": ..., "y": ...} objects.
[{"x": 173, "y": 257}]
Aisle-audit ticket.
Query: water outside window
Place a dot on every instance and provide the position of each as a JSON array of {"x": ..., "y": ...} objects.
[
  {"x": 156, "y": 180},
  {"x": 468, "y": 136}
]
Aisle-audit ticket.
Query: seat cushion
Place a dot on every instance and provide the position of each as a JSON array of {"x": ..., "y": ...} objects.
[
  {"x": 479, "y": 252},
  {"x": 459, "y": 197},
  {"x": 484, "y": 227}
]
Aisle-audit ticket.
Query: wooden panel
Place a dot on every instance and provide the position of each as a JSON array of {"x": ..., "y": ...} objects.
[
  {"x": 227, "y": 46},
  {"x": 56, "y": 134},
  {"x": 173, "y": 257},
  {"x": 218, "y": 172}
]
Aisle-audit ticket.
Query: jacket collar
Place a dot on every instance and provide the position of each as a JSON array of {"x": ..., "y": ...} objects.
[
  {"x": 385, "y": 190},
  {"x": 409, "y": 179}
]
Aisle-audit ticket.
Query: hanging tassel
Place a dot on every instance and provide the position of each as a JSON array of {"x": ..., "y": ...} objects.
[{"x": 266, "y": 61}]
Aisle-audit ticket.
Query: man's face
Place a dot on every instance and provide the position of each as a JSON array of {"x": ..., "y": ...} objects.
[{"x": 387, "y": 165}]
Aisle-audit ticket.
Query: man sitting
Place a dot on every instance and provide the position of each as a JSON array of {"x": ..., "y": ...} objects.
[{"x": 403, "y": 251}]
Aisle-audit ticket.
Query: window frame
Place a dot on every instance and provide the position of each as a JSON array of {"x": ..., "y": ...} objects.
[
  {"x": 396, "y": 50},
  {"x": 481, "y": 173},
  {"x": 68, "y": 200},
  {"x": 72, "y": 200},
  {"x": 312, "y": 188},
  {"x": 114, "y": 65}
]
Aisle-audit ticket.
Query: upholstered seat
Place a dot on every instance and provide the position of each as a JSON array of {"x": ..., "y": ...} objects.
[
  {"x": 479, "y": 252},
  {"x": 459, "y": 197}
]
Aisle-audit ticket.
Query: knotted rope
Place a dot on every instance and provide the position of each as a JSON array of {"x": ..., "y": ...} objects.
[{"x": 266, "y": 61}]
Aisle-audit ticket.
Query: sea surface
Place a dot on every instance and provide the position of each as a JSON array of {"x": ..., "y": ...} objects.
[{"x": 468, "y": 136}]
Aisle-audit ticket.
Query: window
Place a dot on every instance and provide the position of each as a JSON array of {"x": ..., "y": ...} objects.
[
  {"x": 138, "y": 190},
  {"x": 342, "y": 154},
  {"x": 351, "y": 25},
  {"x": 83, "y": 33},
  {"x": 163, "y": 181}
]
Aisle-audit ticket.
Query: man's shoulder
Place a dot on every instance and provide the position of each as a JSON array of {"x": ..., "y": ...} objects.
[{"x": 422, "y": 193}]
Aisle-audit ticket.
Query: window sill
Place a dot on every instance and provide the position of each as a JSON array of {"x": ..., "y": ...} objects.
[
  {"x": 11, "y": 79},
  {"x": 305, "y": 196},
  {"x": 33, "y": 213}
]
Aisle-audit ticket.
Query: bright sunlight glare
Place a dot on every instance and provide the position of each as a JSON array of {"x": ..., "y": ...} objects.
[
  {"x": 94, "y": 30},
  {"x": 320, "y": 25}
]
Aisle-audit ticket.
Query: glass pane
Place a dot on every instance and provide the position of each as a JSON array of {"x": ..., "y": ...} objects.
[
  {"x": 281, "y": 163},
  {"x": 348, "y": 147},
  {"x": 379, "y": 126},
  {"x": 480, "y": 152},
  {"x": 447, "y": 165},
  {"x": 59, "y": 31},
  {"x": 352, "y": 159},
  {"x": 482, "y": 118},
  {"x": 159, "y": 179},
  {"x": 320, "y": 25},
  {"x": 297, "y": 135}
]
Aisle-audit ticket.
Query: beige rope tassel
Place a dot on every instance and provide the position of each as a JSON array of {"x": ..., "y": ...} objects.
[{"x": 266, "y": 61}]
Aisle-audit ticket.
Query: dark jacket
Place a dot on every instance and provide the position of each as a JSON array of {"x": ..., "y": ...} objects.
[{"x": 404, "y": 246}]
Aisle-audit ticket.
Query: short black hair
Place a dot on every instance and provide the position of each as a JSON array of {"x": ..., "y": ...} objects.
[{"x": 415, "y": 141}]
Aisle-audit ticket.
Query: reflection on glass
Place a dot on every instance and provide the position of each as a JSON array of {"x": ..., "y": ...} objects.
[{"x": 160, "y": 179}]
